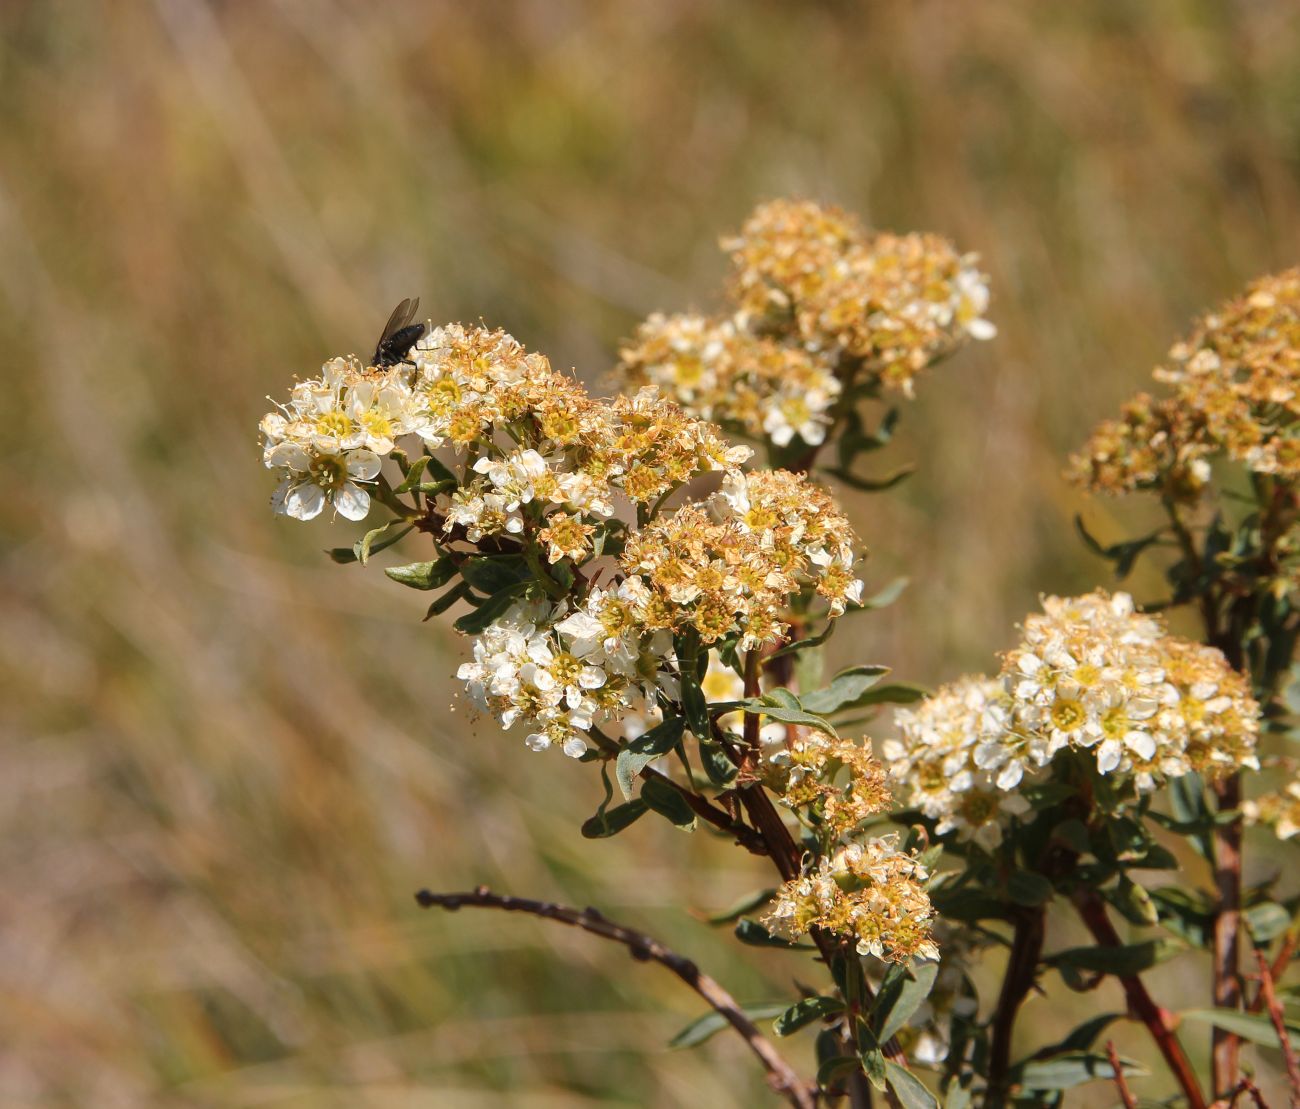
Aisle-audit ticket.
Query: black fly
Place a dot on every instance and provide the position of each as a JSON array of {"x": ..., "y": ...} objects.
[{"x": 400, "y": 334}]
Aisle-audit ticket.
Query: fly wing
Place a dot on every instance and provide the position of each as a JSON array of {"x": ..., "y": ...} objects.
[{"x": 402, "y": 315}]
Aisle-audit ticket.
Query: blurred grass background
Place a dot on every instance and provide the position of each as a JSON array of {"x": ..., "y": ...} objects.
[{"x": 228, "y": 763}]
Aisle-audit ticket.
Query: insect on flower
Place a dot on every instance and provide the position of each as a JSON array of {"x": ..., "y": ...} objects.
[{"x": 399, "y": 335}]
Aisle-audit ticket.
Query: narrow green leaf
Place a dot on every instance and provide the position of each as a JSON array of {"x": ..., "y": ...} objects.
[
  {"x": 1267, "y": 921},
  {"x": 909, "y": 1089},
  {"x": 496, "y": 606},
  {"x": 746, "y": 904},
  {"x": 1024, "y": 887},
  {"x": 364, "y": 547},
  {"x": 706, "y": 1026},
  {"x": 492, "y": 573},
  {"x": 836, "y": 1067},
  {"x": 667, "y": 802},
  {"x": 413, "y": 474},
  {"x": 803, "y": 644},
  {"x": 423, "y": 575},
  {"x": 843, "y": 690},
  {"x": 804, "y": 1012},
  {"x": 873, "y": 485},
  {"x": 770, "y": 707},
  {"x": 886, "y": 596},
  {"x": 1069, "y": 1069},
  {"x": 458, "y": 592},
  {"x": 915, "y": 990},
  {"x": 613, "y": 821},
  {"x": 642, "y": 751},
  {"x": 1127, "y": 959},
  {"x": 1255, "y": 1027},
  {"x": 755, "y": 935},
  {"x": 896, "y": 693}
]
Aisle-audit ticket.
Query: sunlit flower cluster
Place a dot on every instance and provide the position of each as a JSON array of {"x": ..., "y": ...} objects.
[
  {"x": 872, "y": 892},
  {"x": 540, "y": 471},
  {"x": 936, "y": 760},
  {"x": 1090, "y": 674},
  {"x": 818, "y": 304},
  {"x": 834, "y": 782},
  {"x": 893, "y": 302},
  {"x": 720, "y": 371},
  {"x": 1236, "y": 390},
  {"x": 735, "y": 564}
]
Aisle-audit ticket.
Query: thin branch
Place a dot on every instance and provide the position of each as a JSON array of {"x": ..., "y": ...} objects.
[
  {"x": 1227, "y": 931},
  {"x": 1121, "y": 1083},
  {"x": 1159, "y": 1021},
  {"x": 1274, "y": 1008},
  {"x": 781, "y": 1076},
  {"x": 1017, "y": 982}
]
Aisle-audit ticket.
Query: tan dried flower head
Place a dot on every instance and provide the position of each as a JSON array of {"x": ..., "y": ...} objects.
[
  {"x": 1155, "y": 444},
  {"x": 870, "y": 892},
  {"x": 1279, "y": 810},
  {"x": 838, "y": 780},
  {"x": 893, "y": 303},
  {"x": 1240, "y": 370}
]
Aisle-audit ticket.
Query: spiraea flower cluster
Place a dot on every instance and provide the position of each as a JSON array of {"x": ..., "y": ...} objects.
[
  {"x": 893, "y": 302},
  {"x": 1090, "y": 674},
  {"x": 540, "y": 471},
  {"x": 934, "y": 760},
  {"x": 1235, "y": 384},
  {"x": 834, "y": 784},
  {"x": 872, "y": 892},
  {"x": 818, "y": 304}
]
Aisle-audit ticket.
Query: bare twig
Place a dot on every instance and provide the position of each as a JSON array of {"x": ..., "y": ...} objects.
[
  {"x": 1159, "y": 1021},
  {"x": 1227, "y": 931},
  {"x": 1274, "y": 1008},
  {"x": 1121, "y": 1083},
  {"x": 781, "y": 1076}
]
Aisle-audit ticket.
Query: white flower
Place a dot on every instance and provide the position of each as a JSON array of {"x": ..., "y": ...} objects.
[{"x": 311, "y": 479}]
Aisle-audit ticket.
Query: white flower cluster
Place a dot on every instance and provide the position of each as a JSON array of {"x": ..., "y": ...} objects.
[
  {"x": 1091, "y": 673},
  {"x": 937, "y": 760}
]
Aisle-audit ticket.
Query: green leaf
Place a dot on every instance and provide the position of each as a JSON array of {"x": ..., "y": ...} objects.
[
  {"x": 836, "y": 1067},
  {"x": 746, "y": 904},
  {"x": 605, "y": 824},
  {"x": 1069, "y": 1069},
  {"x": 1024, "y": 887},
  {"x": 887, "y": 596},
  {"x": 770, "y": 705},
  {"x": 803, "y": 644},
  {"x": 1133, "y": 901},
  {"x": 364, "y": 547},
  {"x": 720, "y": 769},
  {"x": 915, "y": 990},
  {"x": 712, "y": 1022},
  {"x": 458, "y": 592},
  {"x": 843, "y": 690},
  {"x": 423, "y": 575},
  {"x": 1127, "y": 959},
  {"x": 871, "y": 485},
  {"x": 1255, "y": 1027},
  {"x": 1083, "y": 1037},
  {"x": 1189, "y": 914},
  {"x": 958, "y": 1097},
  {"x": 496, "y": 606},
  {"x": 412, "y": 476},
  {"x": 896, "y": 693},
  {"x": 909, "y": 1089},
  {"x": 755, "y": 935},
  {"x": 642, "y": 751},
  {"x": 1267, "y": 921},
  {"x": 492, "y": 573},
  {"x": 667, "y": 802},
  {"x": 805, "y": 1012}
]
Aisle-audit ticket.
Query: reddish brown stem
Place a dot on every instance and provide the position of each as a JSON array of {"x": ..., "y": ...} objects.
[
  {"x": 1227, "y": 933},
  {"x": 1121, "y": 1083},
  {"x": 1017, "y": 981},
  {"x": 781, "y": 1076},
  {"x": 1275, "y": 1014},
  {"x": 1159, "y": 1021}
]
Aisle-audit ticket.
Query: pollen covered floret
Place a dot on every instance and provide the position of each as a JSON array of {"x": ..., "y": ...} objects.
[
  {"x": 936, "y": 760},
  {"x": 719, "y": 371},
  {"x": 871, "y": 892},
  {"x": 895, "y": 303}
]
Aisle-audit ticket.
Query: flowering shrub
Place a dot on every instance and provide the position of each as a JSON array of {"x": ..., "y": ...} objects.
[{"x": 637, "y": 596}]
